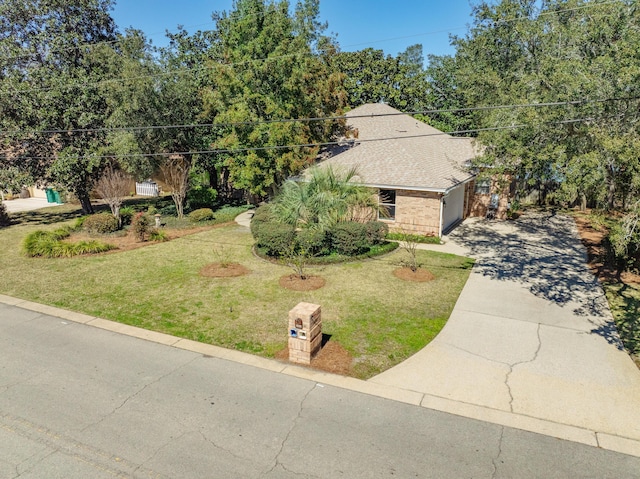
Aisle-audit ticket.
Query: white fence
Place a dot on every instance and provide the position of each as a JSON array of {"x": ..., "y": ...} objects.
[{"x": 147, "y": 188}]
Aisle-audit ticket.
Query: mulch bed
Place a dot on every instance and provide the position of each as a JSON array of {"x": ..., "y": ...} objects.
[
  {"x": 332, "y": 358},
  {"x": 420, "y": 275},
  {"x": 127, "y": 242},
  {"x": 223, "y": 270},
  {"x": 296, "y": 283}
]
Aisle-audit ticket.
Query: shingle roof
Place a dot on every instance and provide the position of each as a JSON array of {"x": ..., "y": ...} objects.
[{"x": 406, "y": 153}]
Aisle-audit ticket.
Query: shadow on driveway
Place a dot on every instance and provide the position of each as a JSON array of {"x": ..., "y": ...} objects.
[{"x": 542, "y": 251}]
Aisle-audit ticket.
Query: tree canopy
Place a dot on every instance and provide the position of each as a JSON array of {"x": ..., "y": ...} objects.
[{"x": 580, "y": 53}]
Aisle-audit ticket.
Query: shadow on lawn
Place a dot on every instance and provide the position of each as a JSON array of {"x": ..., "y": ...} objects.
[
  {"x": 542, "y": 251},
  {"x": 46, "y": 216}
]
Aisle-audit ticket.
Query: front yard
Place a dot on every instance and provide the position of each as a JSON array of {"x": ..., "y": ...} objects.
[{"x": 379, "y": 319}]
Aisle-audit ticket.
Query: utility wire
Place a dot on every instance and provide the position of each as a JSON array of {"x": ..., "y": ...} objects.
[
  {"x": 309, "y": 145},
  {"x": 312, "y": 119},
  {"x": 181, "y": 71}
]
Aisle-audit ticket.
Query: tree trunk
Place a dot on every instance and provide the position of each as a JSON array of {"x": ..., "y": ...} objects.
[
  {"x": 213, "y": 177},
  {"x": 85, "y": 202},
  {"x": 583, "y": 202},
  {"x": 611, "y": 194}
]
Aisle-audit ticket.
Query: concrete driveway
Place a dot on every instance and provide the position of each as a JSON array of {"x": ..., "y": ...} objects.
[
  {"x": 27, "y": 204},
  {"x": 531, "y": 335}
]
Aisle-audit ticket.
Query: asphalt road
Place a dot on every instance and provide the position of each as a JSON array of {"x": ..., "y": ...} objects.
[{"x": 82, "y": 402}]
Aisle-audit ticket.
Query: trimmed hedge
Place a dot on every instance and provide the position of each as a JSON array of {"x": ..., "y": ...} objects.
[
  {"x": 202, "y": 214},
  {"x": 261, "y": 215},
  {"x": 376, "y": 232},
  {"x": 349, "y": 238},
  {"x": 344, "y": 239},
  {"x": 313, "y": 242},
  {"x": 101, "y": 223},
  {"x": 277, "y": 239}
]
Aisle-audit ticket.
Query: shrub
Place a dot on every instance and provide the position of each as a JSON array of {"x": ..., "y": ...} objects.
[
  {"x": 158, "y": 235},
  {"x": 126, "y": 214},
  {"x": 349, "y": 238},
  {"x": 261, "y": 216},
  {"x": 5, "y": 219},
  {"x": 79, "y": 223},
  {"x": 202, "y": 214},
  {"x": 201, "y": 197},
  {"x": 277, "y": 239},
  {"x": 101, "y": 223},
  {"x": 50, "y": 244},
  {"x": 169, "y": 210},
  {"x": 312, "y": 242},
  {"x": 376, "y": 232},
  {"x": 140, "y": 226},
  {"x": 228, "y": 213}
]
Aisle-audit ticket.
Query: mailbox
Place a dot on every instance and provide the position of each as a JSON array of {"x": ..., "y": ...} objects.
[{"x": 305, "y": 332}]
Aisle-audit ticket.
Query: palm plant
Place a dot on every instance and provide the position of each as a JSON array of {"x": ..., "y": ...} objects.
[{"x": 323, "y": 198}]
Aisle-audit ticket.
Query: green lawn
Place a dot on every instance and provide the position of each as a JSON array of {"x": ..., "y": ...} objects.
[
  {"x": 624, "y": 300},
  {"x": 379, "y": 319}
]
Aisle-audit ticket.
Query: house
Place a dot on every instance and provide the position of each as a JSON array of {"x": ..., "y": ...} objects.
[{"x": 421, "y": 174}]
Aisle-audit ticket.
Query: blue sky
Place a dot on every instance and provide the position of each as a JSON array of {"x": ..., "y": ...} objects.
[{"x": 391, "y": 26}]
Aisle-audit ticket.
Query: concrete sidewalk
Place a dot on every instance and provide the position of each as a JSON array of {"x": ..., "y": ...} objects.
[{"x": 530, "y": 335}]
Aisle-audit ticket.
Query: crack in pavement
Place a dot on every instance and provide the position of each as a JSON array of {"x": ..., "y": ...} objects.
[
  {"x": 142, "y": 465},
  {"x": 293, "y": 425},
  {"x": 31, "y": 466},
  {"x": 474, "y": 354},
  {"x": 512, "y": 366},
  {"x": 495, "y": 459},
  {"x": 139, "y": 391},
  {"x": 217, "y": 446}
]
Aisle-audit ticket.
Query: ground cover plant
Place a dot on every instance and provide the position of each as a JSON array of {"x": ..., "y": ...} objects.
[
  {"x": 621, "y": 284},
  {"x": 378, "y": 319}
]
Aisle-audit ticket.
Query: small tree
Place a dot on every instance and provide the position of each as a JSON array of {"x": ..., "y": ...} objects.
[
  {"x": 113, "y": 187},
  {"x": 410, "y": 245},
  {"x": 175, "y": 170}
]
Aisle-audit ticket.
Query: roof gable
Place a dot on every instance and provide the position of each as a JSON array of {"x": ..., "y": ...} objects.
[{"x": 395, "y": 150}]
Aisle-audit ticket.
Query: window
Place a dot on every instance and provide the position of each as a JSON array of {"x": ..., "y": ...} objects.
[
  {"x": 387, "y": 202},
  {"x": 483, "y": 186}
]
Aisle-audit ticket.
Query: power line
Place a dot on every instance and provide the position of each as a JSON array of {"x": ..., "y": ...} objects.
[
  {"x": 185, "y": 70},
  {"x": 307, "y": 145},
  {"x": 314, "y": 119}
]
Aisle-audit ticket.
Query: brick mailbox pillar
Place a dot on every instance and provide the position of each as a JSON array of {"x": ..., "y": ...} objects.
[{"x": 305, "y": 332}]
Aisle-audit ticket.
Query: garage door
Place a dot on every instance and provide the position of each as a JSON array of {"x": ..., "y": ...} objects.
[{"x": 453, "y": 208}]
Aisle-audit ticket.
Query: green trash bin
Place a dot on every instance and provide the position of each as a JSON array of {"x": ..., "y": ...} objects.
[
  {"x": 50, "y": 197},
  {"x": 56, "y": 197}
]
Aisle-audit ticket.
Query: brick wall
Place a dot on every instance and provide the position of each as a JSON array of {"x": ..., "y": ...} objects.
[
  {"x": 479, "y": 204},
  {"x": 416, "y": 212}
]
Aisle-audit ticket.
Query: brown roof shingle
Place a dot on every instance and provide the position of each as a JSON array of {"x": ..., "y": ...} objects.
[{"x": 398, "y": 151}]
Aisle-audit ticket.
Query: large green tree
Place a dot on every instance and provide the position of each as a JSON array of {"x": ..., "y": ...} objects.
[
  {"x": 372, "y": 77},
  {"x": 274, "y": 65},
  {"x": 582, "y": 52},
  {"x": 49, "y": 80}
]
